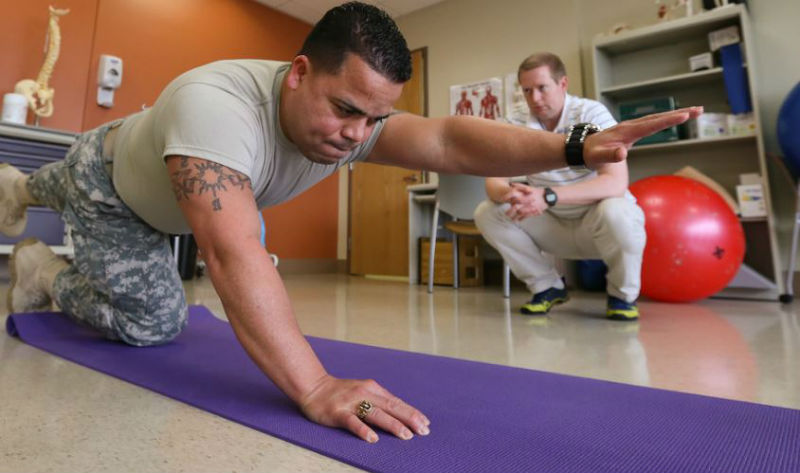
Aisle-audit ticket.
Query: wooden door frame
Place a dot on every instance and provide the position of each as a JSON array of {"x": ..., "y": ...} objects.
[{"x": 424, "y": 51}]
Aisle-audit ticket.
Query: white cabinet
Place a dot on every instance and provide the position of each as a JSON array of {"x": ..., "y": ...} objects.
[{"x": 652, "y": 62}]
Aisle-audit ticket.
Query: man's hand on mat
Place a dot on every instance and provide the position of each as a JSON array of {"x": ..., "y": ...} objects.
[
  {"x": 335, "y": 402},
  {"x": 612, "y": 144}
]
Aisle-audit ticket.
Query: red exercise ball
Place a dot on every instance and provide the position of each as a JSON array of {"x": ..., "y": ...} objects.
[{"x": 695, "y": 243}]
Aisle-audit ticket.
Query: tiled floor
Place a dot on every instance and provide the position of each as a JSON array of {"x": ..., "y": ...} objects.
[{"x": 57, "y": 416}]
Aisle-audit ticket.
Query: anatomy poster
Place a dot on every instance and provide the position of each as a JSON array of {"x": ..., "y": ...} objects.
[
  {"x": 516, "y": 107},
  {"x": 480, "y": 99}
]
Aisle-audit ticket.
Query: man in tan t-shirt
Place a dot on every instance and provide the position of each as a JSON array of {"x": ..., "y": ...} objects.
[{"x": 335, "y": 101}]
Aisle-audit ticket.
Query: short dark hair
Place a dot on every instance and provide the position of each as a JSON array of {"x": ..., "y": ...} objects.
[
  {"x": 557, "y": 69},
  {"x": 363, "y": 30}
]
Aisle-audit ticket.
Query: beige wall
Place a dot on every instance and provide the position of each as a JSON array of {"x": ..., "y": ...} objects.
[
  {"x": 471, "y": 40},
  {"x": 598, "y": 17}
]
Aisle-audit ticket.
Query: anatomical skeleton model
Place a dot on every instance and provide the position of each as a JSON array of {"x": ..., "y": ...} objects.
[{"x": 38, "y": 93}]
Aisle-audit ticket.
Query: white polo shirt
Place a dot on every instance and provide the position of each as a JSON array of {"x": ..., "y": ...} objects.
[{"x": 576, "y": 110}]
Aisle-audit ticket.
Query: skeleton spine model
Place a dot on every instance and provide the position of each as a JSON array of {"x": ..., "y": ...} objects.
[{"x": 38, "y": 93}]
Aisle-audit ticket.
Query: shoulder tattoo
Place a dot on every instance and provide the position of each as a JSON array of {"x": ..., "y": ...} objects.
[{"x": 204, "y": 176}]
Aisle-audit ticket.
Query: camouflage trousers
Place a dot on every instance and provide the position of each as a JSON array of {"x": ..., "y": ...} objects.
[{"x": 124, "y": 281}]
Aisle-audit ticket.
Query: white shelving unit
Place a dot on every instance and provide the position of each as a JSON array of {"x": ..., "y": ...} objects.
[
  {"x": 679, "y": 80},
  {"x": 653, "y": 62}
]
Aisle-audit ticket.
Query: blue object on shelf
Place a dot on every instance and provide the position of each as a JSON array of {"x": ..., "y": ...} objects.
[
  {"x": 736, "y": 83},
  {"x": 788, "y": 127}
]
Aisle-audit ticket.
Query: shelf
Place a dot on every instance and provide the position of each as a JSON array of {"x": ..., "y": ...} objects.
[
  {"x": 425, "y": 186},
  {"x": 679, "y": 80},
  {"x": 752, "y": 219},
  {"x": 425, "y": 198},
  {"x": 44, "y": 135},
  {"x": 667, "y": 32},
  {"x": 59, "y": 250},
  {"x": 652, "y": 61},
  {"x": 695, "y": 142}
]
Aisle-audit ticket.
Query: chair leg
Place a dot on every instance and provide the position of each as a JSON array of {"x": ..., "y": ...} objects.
[
  {"x": 506, "y": 280},
  {"x": 793, "y": 256},
  {"x": 455, "y": 261},
  {"x": 432, "y": 253}
]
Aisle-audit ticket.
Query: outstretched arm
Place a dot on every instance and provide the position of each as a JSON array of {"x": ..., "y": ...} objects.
[
  {"x": 468, "y": 145},
  {"x": 219, "y": 206},
  {"x": 611, "y": 181}
]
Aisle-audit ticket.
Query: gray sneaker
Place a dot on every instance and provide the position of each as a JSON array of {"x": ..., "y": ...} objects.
[{"x": 13, "y": 217}]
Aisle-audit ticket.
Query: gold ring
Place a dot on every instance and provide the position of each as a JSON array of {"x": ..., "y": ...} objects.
[{"x": 363, "y": 410}]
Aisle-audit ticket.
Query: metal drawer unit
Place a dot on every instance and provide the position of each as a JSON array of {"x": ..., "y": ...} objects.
[{"x": 28, "y": 149}]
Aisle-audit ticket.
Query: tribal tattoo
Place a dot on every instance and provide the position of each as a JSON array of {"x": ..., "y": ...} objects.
[{"x": 205, "y": 176}]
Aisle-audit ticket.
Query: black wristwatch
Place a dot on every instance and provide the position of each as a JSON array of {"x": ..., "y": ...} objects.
[
  {"x": 550, "y": 196},
  {"x": 576, "y": 135}
]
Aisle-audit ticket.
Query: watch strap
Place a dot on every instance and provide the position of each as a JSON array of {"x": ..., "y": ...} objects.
[{"x": 576, "y": 136}]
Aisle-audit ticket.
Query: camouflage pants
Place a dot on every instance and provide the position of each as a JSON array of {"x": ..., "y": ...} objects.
[{"x": 124, "y": 281}]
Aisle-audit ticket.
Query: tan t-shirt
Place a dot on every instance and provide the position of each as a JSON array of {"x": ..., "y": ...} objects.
[{"x": 225, "y": 112}]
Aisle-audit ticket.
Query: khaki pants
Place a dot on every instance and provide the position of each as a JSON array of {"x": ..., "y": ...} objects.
[{"x": 611, "y": 230}]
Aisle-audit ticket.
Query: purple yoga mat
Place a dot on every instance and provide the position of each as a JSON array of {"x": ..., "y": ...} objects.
[{"x": 484, "y": 417}]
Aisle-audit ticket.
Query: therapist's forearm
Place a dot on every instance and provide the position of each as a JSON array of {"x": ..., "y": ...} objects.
[
  {"x": 592, "y": 190},
  {"x": 497, "y": 189}
]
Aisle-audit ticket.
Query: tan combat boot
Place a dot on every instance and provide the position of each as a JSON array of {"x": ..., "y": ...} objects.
[
  {"x": 33, "y": 267},
  {"x": 14, "y": 200}
]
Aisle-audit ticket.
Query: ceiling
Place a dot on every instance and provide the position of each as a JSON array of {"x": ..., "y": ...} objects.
[{"x": 311, "y": 11}]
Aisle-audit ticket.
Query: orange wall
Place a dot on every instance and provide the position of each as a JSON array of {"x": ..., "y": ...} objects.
[
  {"x": 157, "y": 40},
  {"x": 23, "y": 26}
]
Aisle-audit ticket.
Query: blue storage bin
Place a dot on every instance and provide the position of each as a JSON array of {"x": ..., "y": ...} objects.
[{"x": 592, "y": 275}]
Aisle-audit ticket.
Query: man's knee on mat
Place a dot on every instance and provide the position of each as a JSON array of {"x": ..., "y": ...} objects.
[{"x": 152, "y": 329}]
